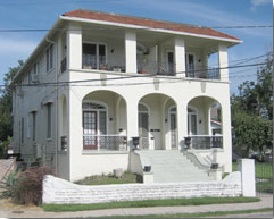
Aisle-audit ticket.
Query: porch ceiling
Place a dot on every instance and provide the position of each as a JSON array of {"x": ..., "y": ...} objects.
[{"x": 147, "y": 37}]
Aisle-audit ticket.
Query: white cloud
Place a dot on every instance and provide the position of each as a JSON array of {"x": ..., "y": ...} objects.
[
  {"x": 209, "y": 15},
  {"x": 257, "y": 3}
]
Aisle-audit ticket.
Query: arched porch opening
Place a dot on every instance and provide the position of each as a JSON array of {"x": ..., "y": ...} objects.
[
  {"x": 157, "y": 122},
  {"x": 204, "y": 123},
  {"x": 104, "y": 121}
]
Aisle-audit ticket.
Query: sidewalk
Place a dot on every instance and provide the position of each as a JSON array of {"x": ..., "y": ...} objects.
[{"x": 34, "y": 212}]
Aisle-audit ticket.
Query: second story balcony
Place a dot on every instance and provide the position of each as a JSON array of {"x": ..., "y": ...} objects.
[{"x": 123, "y": 50}]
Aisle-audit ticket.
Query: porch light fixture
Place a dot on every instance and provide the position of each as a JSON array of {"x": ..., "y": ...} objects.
[
  {"x": 110, "y": 119},
  {"x": 136, "y": 141},
  {"x": 187, "y": 142}
]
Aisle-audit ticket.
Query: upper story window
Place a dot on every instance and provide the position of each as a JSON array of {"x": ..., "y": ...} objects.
[
  {"x": 94, "y": 56},
  {"x": 36, "y": 68},
  {"x": 49, "y": 58}
]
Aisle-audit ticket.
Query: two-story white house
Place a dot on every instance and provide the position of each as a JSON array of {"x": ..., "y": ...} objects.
[{"x": 97, "y": 80}]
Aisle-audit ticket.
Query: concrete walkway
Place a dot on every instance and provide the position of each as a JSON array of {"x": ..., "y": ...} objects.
[{"x": 34, "y": 212}]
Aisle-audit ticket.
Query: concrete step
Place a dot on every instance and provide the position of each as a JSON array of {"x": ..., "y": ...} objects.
[{"x": 172, "y": 166}]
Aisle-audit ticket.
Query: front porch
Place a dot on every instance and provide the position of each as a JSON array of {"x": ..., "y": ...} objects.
[{"x": 106, "y": 127}]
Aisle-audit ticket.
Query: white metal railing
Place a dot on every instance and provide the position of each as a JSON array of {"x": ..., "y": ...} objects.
[{"x": 105, "y": 142}]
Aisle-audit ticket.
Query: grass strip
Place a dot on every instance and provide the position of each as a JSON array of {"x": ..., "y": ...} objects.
[
  {"x": 147, "y": 203},
  {"x": 195, "y": 215}
]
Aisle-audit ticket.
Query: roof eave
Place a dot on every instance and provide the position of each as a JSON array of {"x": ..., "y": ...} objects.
[{"x": 160, "y": 30}]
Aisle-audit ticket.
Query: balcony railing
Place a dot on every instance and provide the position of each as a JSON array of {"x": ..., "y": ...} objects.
[
  {"x": 206, "y": 142},
  {"x": 211, "y": 73},
  {"x": 105, "y": 142}
]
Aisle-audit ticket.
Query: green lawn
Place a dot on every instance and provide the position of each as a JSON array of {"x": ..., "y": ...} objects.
[
  {"x": 147, "y": 204},
  {"x": 127, "y": 178},
  {"x": 263, "y": 169},
  {"x": 196, "y": 215}
]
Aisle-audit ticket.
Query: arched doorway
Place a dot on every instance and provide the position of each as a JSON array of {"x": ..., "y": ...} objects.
[{"x": 103, "y": 121}]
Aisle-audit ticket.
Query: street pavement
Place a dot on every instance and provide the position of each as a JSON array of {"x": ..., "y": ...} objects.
[{"x": 35, "y": 212}]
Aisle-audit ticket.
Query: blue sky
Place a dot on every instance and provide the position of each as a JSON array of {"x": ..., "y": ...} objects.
[{"x": 42, "y": 14}]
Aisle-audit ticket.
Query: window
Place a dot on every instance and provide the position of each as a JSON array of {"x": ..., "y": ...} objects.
[
  {"x": 36, "y": 68},
  {"x": 94, "y": 55},
  {"x": 49, "y": 120},
  {"x": 33, "y": 125},
  {"x": 28, "y": 125},
  {"x": 23, "y": 128},
  {"x": 50, "y": 58}
]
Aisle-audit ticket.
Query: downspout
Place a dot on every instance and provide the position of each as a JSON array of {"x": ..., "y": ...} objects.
[{"x": 57, "y": 107}]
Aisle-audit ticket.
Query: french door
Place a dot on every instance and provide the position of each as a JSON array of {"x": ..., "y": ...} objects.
[
  {"x": 173, "y": 129},
  {"x": 94, "y": 125},
  {"x": 170, "y": 63}
]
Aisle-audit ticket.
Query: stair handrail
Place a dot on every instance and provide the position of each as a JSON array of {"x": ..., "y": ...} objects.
[{"x": 197, "y": 160}]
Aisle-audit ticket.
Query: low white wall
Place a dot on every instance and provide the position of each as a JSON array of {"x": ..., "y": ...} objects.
[{"x": 58, "y": 191}]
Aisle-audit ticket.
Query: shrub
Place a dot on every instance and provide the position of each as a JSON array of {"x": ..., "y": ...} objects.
[{"x": 29, "y": 185}]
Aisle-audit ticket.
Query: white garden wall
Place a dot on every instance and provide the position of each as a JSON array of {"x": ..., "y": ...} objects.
[{"x": 59, "y": 191}]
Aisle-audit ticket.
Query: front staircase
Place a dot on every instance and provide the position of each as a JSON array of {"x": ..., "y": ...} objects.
[{"x": 172, "y": 167}]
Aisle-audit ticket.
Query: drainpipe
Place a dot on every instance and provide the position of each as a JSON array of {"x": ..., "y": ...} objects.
[{"x": 57, "y": 106}]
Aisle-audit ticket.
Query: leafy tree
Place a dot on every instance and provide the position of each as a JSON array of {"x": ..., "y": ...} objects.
[
  {"x": 252, "y": 111},
  {"x": 6, "y": 122}
]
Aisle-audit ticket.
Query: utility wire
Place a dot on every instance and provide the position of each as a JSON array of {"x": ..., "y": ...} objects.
[{"x": 125, "y": 77}]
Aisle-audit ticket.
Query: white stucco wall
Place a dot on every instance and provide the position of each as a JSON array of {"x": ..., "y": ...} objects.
[{"x": 129, "y": 89}]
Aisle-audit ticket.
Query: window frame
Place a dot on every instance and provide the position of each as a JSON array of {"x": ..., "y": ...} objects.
[{"x": 98, "y": 44}]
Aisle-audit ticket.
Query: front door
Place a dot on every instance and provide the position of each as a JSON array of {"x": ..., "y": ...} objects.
[
  {"x": 173, "y": 130},
  {"x": 90, "y": 130},
  {"x": 95, "y": 129},
  {"x": 192, "y": 122},
  {"x": 143, "y": 130},
  {"x": 170, "y": 63}
]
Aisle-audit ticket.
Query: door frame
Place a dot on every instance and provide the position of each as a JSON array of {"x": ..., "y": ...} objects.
[{"x": 170, "y": 113}]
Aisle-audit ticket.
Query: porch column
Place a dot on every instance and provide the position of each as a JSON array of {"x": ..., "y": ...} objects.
[
  {"x": 181, "y": 123},
  {"x": 74, "y": 47},
  {"x": 227, "y": 138},
  {"x": 130, "y": 52},
  {"x": 223, "y": 63},
  {"x": 179, "y": 49},
  {"x": 132, "y": 116}
]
